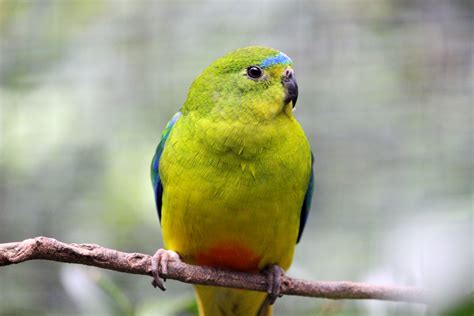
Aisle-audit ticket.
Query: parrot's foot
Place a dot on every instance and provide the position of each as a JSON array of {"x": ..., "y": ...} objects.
[
  {"x": 159, "y": 263},
  {"x": 274, "y": 274}
]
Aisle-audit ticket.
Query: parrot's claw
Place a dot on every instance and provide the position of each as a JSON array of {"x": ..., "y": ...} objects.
[
  {"x": 159, "y": 264},
  {"x": 274, "y": 274}
]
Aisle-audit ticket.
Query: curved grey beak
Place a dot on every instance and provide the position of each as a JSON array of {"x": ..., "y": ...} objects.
[{"x": 291, "y": 87}]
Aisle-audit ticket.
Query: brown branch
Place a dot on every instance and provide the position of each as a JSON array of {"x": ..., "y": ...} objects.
[{"x": 94, "y": 255}]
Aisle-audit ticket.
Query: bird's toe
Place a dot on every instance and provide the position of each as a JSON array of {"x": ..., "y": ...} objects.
[
  {"x": 274, "y": 274},
  {"x": 159, "y": 266}
]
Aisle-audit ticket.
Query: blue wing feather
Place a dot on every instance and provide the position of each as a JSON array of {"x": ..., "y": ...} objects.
[
  {"x": 307, "y": 201},
  {"x": 155, "y": 164}
]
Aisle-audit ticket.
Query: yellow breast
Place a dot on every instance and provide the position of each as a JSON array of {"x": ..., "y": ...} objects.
[{"x": 234, "y": 201}]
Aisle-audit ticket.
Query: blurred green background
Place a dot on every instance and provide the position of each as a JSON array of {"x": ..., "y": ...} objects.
[{"x": 386, "y": 99}]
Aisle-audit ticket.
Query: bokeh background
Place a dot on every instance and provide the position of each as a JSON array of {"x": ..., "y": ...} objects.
[{"x": 386, "y": 99}]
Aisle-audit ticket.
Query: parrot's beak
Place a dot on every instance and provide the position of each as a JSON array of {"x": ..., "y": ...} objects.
[{"x": 291, "y": 87}]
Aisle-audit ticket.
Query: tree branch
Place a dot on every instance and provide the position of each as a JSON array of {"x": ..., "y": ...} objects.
[{"x": 94, "y": 255}]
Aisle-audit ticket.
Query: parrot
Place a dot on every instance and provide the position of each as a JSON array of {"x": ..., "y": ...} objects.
[{"x": 233, "y": 178}]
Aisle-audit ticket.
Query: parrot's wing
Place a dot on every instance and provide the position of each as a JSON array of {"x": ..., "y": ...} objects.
[
  {"x": 307, "y": 201},
  {"x": 155, "y": 164}
]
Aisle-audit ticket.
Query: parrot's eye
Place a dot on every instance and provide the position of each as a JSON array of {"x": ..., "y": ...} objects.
[{"x": 254, "y": 72}]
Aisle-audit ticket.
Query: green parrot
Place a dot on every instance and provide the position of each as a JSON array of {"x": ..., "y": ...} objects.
[{"x": 233, "y": 177}]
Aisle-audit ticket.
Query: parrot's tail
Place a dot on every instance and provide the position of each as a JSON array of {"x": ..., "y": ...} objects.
[{"x": 219, "y": 301}]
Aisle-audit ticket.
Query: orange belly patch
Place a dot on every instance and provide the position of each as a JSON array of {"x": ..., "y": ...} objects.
[{"x": 230, "y": 256}]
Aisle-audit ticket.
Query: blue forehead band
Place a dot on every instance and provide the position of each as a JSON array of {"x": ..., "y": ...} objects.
[{"x": 281, "y": 58}]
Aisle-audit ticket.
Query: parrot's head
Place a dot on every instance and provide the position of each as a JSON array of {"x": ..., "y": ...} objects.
[{"x": 253, "y": 83}]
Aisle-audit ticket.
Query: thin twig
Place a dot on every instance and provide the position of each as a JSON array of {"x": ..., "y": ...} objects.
[{"x": 94, "y": 255}]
